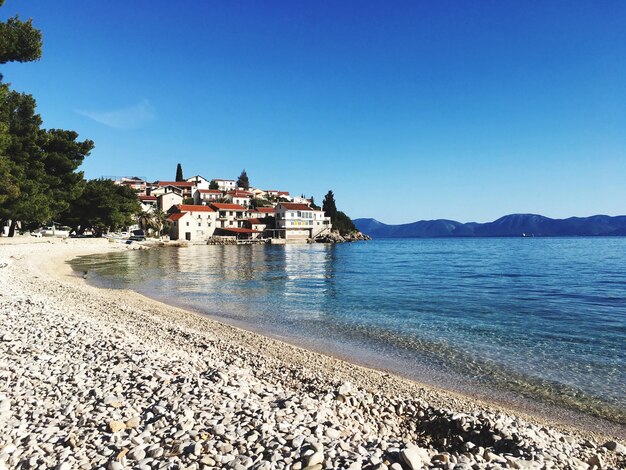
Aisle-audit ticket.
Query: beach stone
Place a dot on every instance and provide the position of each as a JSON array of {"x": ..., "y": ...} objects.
[
  {"x": 132, "y": 422},
  {"x": 314, "y": 459},
  {"x": 414, "y": 457},
  {"x": 615, "y": 447},
  {"x": 116, "y": 426}
]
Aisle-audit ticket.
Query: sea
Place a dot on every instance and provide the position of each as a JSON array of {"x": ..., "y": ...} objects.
[{"x": 537, "y": 322}]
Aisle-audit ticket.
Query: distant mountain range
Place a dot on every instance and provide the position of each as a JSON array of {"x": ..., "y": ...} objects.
[{"x": 514, "y": 225}]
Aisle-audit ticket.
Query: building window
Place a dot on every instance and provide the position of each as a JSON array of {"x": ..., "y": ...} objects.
[{"x": 187, "y": 224}]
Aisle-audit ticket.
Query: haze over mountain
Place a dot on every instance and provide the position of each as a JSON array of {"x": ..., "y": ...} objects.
[{"x": 513, "y": 225}]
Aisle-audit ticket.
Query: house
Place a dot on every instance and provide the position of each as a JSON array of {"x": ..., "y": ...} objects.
[
  {"x": 261, "y": 212},
  {"x": 299, "y": 221},
  {"x": 271, "y": 193},
  {"x": 258, "y": 193},
  {"x": 238, "y": 197},
  {"x": 192, "y": 222},
  {"x": 200, "y": 182},
  {"x": 225, "y": 185},
  {"x": 229, "y": 215},
  {"x": 284, "y": 195},
  {"x": 257, "y": 225},
  {"x": 133, "y": 182},
  {"x": 206, "y": 196},
  {"x": 148, "y": 203},
  {"x": 187, "y": 187},
  {"x": 171, "y": 196}
]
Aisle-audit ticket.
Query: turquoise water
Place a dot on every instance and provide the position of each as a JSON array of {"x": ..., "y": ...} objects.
[{"x": 543, "y": 319}]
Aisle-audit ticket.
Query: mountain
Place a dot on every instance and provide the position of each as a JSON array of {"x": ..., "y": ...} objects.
[{"x": 514, "y": 225}]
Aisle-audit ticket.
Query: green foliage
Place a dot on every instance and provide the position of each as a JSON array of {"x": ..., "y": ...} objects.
[
  {"x": 213, "y": 185},
  {"x": 103, "y": 206},
  {"x": 37, "y": 167},
  {"x": 179, "y": 173},
  {"x": 243, "y": 181},
  {"x": 19, "y": 41},
  {"x": 313, "y": 205},
  {"x": 341, "y": 222},
  {"x": 188, "y": 200}
]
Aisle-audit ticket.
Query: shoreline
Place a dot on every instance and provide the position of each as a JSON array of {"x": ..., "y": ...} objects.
[{"x": 301, "y": 372}]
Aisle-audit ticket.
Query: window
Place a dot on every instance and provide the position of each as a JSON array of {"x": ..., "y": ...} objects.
[
  {"x": 199, "y": 224},
  {"x": 187, "y": 224}
]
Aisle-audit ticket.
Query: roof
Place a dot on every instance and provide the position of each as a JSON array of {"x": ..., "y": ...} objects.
[
  {"x": 237, "y": 193},
  {"x": 148, "y": 198},
  {"x": 227, "y": 207},
  {"x": 290, "y": 206},
  {"x": 176, "y": 216},
  {"x": 256, "y": 222},
  {"x": 179, "y": 184},
  {"x": 193, "y": 208},
  {"x": 210, "y": 191},
  {"x": 263, "y": 210},
  {"x": 284, "y": 193},
  {"x": 219, "y": 179},
  {"x": 239, "y": 230}
]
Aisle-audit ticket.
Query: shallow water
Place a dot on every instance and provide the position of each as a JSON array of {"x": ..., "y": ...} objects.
[{"x": 538, "y": 318}]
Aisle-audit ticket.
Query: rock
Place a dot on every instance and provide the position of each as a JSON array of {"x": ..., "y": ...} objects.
[
  {"x": 345, "y": 389},
  {"x": 615, "y": 447},
  {"x": 595, "y": 461},
  {"x": 413, "y": 457},
  {"x": 116, "y": 426},
  {"x": 132, "y": 422},
  {"x": 314, "y": 459}
]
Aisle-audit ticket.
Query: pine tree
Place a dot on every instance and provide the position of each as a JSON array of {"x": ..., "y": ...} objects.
[
  {"x": 242, "y": 181},
  {"x": 329, "y": 206},
  {"x": 179, "y": 173}
]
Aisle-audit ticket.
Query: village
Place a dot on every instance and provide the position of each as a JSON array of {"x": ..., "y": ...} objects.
[{"x": 199, "y": 210}]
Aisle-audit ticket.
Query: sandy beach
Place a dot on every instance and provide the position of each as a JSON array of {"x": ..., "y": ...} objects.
[{"x": 96, "y": 378}]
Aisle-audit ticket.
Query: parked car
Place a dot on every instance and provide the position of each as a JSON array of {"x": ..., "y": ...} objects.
[
  {"x": 138, "y": 235},
  {"x": 51, "y": 232}
]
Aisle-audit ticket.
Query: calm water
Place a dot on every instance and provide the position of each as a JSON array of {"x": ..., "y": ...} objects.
[{"x": 538, "y": 318}]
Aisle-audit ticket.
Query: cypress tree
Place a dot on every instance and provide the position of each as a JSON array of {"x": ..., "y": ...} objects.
[{"x": 179, "y": 173}]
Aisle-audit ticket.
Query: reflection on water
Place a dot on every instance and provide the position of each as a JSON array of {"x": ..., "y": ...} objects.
[{"x": 544, "y": 318}]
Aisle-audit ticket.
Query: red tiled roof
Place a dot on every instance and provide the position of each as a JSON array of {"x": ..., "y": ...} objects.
[
  {"x": 176, "y": 216},
  {"x": 239, "y": 230},
  {"x": 263, "y": 210},
  {"x": 237, "y": 193},
  {"x": 193, "y": 208},
  {"x": 210, "y": 191},
  {"x": 227, "y": 207},
  {"x": 295, "y": 207},
  {"x": 283, "y": 193},
  {"x": 256, "y": 222},
  {"x": 148, "y": 198},
  {"x": 178, "y": 184},
  {"x": 219, "y": 179}
]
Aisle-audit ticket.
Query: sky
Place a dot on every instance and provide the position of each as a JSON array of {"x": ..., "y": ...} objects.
[{"x": 407, "y": 110}]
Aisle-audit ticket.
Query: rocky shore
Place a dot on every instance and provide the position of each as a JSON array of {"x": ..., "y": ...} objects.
[{"x": 92, "y": 378}]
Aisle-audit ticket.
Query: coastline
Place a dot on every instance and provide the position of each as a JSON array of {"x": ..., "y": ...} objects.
[{"x": 327, "y": 390}]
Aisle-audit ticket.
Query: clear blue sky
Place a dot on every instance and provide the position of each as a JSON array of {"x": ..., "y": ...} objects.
[{"x": 407, "y": 110}]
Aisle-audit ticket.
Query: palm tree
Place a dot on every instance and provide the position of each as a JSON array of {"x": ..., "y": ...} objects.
[
  {"x": 159, "y": 219},
  {"x": 144, "y": 219}
]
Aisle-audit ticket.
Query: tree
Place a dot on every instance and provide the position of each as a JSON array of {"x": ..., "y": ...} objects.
[
  {"x": 188, "y": 201},
  {"x": 37, "y": 166},
  {"x": 103, "y": 206},
  {"x": 179, "y": 173},
  {"x": 341, "y": 222},
  {"x": 213, "y": 185},
  {"x": 144, "y": 219},
  {"x": 329, "y": 206},
  {"x": 242, "y": 181},
  {"x": 19, "y": 40},
  {"x": 159, "y": 219}
]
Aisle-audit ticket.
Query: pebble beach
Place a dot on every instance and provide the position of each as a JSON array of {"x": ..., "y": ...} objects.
[{"x": 97, "y": 378}]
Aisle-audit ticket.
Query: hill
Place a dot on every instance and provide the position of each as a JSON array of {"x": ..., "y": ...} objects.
[{"x": 513, "y": 225}]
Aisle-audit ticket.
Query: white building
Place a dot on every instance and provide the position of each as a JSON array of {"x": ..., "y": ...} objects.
[
  {"x": 200, "y": 182},
  {"x": 168, "y": 199},
  {"x": 260, "y": 212},
  {"x": 192, "y": 222},
  {"x": 299, "y": 221},
  {"x": 238, "y": 197},
  {"x": 229, "y": 215},
  {"x": 225, "y": 185},
  {"x": 207, "y": 196},
  {"x": 148, "y": 203}
]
